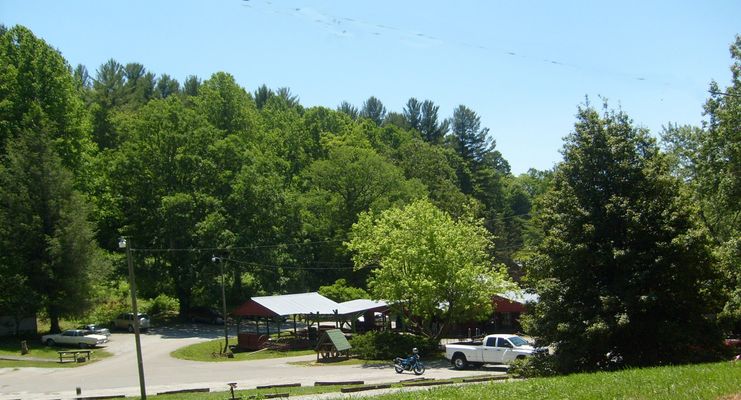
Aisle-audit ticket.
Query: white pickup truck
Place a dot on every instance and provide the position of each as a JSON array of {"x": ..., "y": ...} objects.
[{"x": 494, "y": 349}]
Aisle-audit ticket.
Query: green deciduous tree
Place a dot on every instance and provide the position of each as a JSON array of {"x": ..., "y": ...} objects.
[
  {"x": 433, "y": 167},
  {"x": 341, "y": 292},
  {"x": 38, "y": 93},
  {"x": 225, "y": 104},
  {"x": 709, "y": 161},
  {"x": 351, "y": 180},
  {"x": 165, "y": 179},
  {"x": 622, "y": 267},
  {"x": 437, "y": 269}
]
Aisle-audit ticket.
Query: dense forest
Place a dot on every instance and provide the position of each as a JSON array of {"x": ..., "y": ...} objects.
[{"x": 204, "y": 167}]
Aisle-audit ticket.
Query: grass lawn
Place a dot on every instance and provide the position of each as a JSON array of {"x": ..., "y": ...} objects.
[
  {"x": 11, "y": 346},
  {"x": 351, "y": 361},
  {"x": 718, "y": 381},
  {"x": 204, "y": 352},
  {"x": 704, "y": 381}
]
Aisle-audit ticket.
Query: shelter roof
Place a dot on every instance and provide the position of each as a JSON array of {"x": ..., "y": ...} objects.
[
  {"x": 520, "y": 297},
  {"x": 361, "y": 306},
  {"x": 288, "y": 304},
  {"x": 335, "y": 338}
]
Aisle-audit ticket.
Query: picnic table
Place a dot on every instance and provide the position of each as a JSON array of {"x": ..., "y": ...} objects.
[{"x": 75, "y": 355}]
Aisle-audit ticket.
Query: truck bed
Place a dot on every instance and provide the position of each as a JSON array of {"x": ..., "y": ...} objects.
[{"x": 467, "y": 343}]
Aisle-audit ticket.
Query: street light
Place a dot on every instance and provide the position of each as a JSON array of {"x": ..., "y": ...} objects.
[
  {"x": 223, "y": 301},
  {"x": 124, "y": 244}
]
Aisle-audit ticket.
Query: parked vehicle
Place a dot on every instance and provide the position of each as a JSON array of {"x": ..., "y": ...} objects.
[
  {"x": 733, "y": 341},
  {"x": 411, "y": 363},
  {"x": 126, "y": 321},
  {"x": 75, "y": 337},
  {"x": 96, "y": 329},
  {"x": 206, "y": 315},
  {"x": 494, "y": 349}
]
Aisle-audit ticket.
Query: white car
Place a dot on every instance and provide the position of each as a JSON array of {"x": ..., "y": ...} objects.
[
  {"x": 494, "y": 349},
  {"x": 74, "y": 337},
  {"x": 126, "y": 321}
]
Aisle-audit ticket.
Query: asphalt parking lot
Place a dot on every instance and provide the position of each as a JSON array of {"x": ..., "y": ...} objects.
[{"x": 119, "y": 374}]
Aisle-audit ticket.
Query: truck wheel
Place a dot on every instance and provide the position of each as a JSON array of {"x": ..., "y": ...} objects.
[{"x": 459, "y": 361}]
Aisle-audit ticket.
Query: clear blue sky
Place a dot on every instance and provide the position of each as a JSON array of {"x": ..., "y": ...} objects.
[{"x": 523, "y": 66}]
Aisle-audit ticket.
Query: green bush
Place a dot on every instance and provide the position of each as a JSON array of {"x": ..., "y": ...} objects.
[
  {"x": 387, "y": 345},
  {"x": 538, "y": 365},
  {"x": 161, "y": 305},
  {"x": 111, "y": 300}
]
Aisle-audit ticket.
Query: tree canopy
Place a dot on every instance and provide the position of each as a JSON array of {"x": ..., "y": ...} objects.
[
  {"x": 622, "y": 261},
  {"x": 435, "y": 268}
]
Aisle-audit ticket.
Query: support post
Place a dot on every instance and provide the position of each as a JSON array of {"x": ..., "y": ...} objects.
[{"x": 132, "y": 286}]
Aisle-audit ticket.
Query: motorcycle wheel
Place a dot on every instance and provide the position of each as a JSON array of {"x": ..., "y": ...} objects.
[
  {"x": 398, "y": 369},
  {"x": 419, "y": 369}
]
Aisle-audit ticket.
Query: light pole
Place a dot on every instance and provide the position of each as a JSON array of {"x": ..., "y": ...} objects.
[
  {"x": 223, "y": 301},
  {"x": 123, "y": 243}
]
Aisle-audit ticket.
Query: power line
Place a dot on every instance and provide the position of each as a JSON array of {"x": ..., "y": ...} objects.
[
  {"x": 227, "y": 249},
  {"x": 345, "y": 267}
]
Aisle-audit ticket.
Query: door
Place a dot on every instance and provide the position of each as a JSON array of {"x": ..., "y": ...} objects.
[
  {"x": 492, "y": 353},
  {"x": 507, "y": 350},
  {"x": 68, "y": 337}
]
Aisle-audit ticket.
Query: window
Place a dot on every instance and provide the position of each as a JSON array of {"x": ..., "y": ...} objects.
[
  {"x": 491, "y": 342},
  {"x": 501, "y": 342}
]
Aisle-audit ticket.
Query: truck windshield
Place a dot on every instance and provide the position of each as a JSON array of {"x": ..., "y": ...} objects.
[{"x": 517, "y": 341}]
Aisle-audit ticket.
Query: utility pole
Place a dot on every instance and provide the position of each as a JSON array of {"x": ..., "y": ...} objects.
[
  {"x": 123, "y": 243},
  {"x": 223, "y": 302}
]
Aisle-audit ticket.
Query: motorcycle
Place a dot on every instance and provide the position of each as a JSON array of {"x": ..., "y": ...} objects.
[{"x": 412, "y": 363}]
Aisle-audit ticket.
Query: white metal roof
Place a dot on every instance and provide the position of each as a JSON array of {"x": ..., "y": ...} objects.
[
  {"x": 360, "y": 305},
  {"x": 520, "y": 297},
  {"x": 301, "y": 303}
]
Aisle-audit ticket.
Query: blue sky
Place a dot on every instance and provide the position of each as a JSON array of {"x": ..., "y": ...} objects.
[{"x": 523, "y": 66}]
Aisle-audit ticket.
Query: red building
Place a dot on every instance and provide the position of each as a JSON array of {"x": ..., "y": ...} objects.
[{"x": 507, "y": 307}]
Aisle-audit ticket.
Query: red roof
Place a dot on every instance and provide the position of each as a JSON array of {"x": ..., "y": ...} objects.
[
  {"x": 504, "y": 305},
  {"x": 253, "y": 308}
]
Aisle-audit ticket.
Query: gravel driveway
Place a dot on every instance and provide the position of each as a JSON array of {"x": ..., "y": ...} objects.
[{"x": 119, "y": 374}]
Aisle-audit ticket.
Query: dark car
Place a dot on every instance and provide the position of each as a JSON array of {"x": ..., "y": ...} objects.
[
  {"x": 206, "y": 315},
  {"x": 96, "y": 329}
]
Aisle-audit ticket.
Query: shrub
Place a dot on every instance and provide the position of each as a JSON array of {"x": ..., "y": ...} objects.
[
  {"x": 386, "y": 345},
  {"x": 161, "y": 305},
  {"x": 538, "y": 365}
]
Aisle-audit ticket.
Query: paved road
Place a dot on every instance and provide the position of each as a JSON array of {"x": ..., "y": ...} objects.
[{"x": 118, "y": 374}]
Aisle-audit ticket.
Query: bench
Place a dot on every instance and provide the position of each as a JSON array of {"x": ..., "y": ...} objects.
[{"x": 74, "y": 355}]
